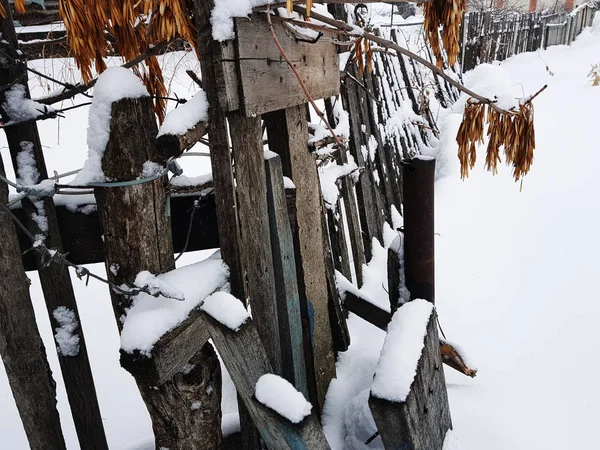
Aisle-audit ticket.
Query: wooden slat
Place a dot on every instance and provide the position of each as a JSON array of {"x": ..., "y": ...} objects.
[
  {"x": 421, "y": 422},
  {"x": 246, "y": 361},
  {"x": 267, "y": 82},
  {"x": 82, "y": 234},
  {"x": 286, "y": 282},
  {"x": 173, "y": 145},
  {"x": 288, "y": 135},
  {"x": 255, "y": 242}
]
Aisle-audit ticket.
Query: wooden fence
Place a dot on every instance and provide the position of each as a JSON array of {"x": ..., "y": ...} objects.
[
  {"x": 496, "y": 35},
  {"x": 282, "y": 246}
]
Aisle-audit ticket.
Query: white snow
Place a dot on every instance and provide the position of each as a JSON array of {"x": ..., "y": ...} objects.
[
  {"x": 151, "y": 317},
  {"x": 270, "y": 154},
  {"x": 288, "y": 183},
  {"x": 230, "y": 424},
  {"x": 401, "y": 351},
  {"x": 67, "y": 341},
  {"x": 282, "y": 397},
  {"x": 226, "y": 309},
  {"x": 152, "y": 169},
  {"x": 157, "y": 287},
  {"x": 225, "y": 11},
  {"x": 329, "y": 176},
  {"x": 114, "y": 84},
  {"x": 19, "y": 109},
  {"x": 186, "y": 116},
  {"x": 184, "y": 181},
  {"x": 451, "y": 441}
]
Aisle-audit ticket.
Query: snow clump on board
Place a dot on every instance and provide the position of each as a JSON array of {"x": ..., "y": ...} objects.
[
  {"x": 401, "y": 351},
  {"x": 226, "y": 309},
  {"x": 282, "y": 397},
  {"x": 114, "y": 84},
  {"x": 186, "y": 116}
]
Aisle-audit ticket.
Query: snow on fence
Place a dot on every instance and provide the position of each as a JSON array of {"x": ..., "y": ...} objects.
[
  {"x": 496, "y": 35},
  {"x": 280, "y": 242}
]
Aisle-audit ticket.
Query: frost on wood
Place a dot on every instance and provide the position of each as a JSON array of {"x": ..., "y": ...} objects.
[
  {"x": 150, "y": 317},
  {"x": 114, "y": 84},
  {"x": 282, "y": 397},
  {"x": 186, "y": 116},
  {"x": 401, "y": 351},
  {"x": 29, "y": 176},
  {"x": 19, "y": 108},
  {"x": 226, "y": 309},
  {"x": 67, "y": 340}
]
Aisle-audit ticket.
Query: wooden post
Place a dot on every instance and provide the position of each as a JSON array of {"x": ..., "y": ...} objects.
[
  {"x": 55, "y": 279},
  {"x": 286, "y": 282},
  {"x": 419, "y": 252},
  {"x": 288, "y": 134},
  {"x": 21, "y": 346},
  {"x": 422, "y": 420},
  {"x": 137, "y": 235}
]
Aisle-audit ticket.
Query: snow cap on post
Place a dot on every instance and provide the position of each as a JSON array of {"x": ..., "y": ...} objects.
[
  {"x": 401, "y": 351},
  {"x": 282, "y": 397},
  {"x": 116, "y": 83}
]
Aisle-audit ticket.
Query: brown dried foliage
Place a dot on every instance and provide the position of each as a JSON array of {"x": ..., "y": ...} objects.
[
  {"x": 514, "y": 130},
  {"x": 290, "y": 6},
  {"x": 447, "y": 14},
  {"x": 19, "y": 7},
  {"x": 362, "y": 51},
  {"x": 135, "y": 25}
]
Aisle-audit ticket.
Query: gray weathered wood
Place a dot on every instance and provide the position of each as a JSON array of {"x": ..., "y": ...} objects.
[
  {"x": 21, "y": 346},
  {"x": 286, "y": 282},
  {"x": 266, "y": 81},
  {"x": 173, "y": 145},
  {"x": 145, "y": 244},
  {"x": 219, "y": 80},
  {"x": 421, "y": 422},
  {"x": 170, "y": 354},
  {"x": 288, "y": 135},
  {"x": 246, "y": 361},
  {"x": 255, "y": 240},
  {"x": 55, "y": 280}
]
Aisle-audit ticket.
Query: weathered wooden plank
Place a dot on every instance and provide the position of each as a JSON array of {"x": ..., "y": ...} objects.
[
  {"x": 366, "y": 310},
  {"x": 137, "y": 245},
  {"x": 170, "y": 354},
  {"x": 82, "y": 233},
  {"x": 419, "y": 238},
  {"x": 246, "y": 361},
  {"x": 288, "y": 134},
  {"x": 421, "y": 422},
  {"x": 255, "y": 243},
  {"x": 54, "y": 279},
  {"x": 266, "y": 81},
  {"x": 21, "y": 346},
  {"x": 173, "y": 145},
  {"x": 286, "y": 282}
]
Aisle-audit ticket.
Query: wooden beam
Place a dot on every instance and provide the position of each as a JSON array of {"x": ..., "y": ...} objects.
[
  {"x": 366, "y": 310},
  {"x": 82, "y": 233}
]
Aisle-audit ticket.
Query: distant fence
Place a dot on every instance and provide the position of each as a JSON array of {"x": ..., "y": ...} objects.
[{"x": 497, "y": 35}]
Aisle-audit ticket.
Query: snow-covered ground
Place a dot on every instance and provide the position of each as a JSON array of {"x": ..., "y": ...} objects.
[{"x": 515, "y": 280}]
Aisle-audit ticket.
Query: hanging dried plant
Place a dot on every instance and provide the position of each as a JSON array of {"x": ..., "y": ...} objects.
[
  {"x": 135, "y": 25},
  {"x": 290, "y": 6},
  {"x": 20, "y": 6},
  {"x": 363, "y": 51},
  {"x": 447, "y": 14},
  {"x": 514, "y": 130}
]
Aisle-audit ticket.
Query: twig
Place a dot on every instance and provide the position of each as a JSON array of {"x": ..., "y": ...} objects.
[
  {"x": 363, "y": 87},
  {"x": 194, "y": 77},
  {"x": 44, "y": 116},
  {"x": 354, "y": 32},
  {"x": 302, "y": 85}
]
